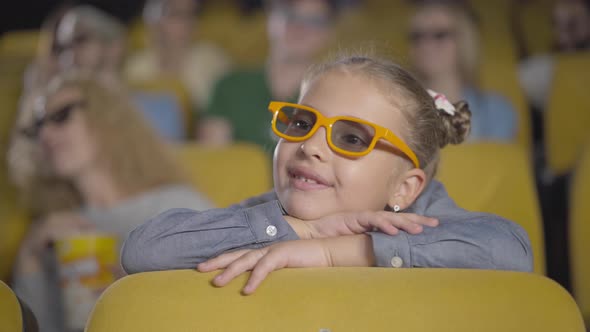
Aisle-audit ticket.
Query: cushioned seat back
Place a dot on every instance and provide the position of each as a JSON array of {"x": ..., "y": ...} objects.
[
  {"x": 227, "y": 175},
  {"x": 495, "y": 178},
  {"x": 567, "y": 118},
  {"x": 11, "y": 319},
  {"x": 580, "y": 234},
  {"x": 339, "y": 299}
]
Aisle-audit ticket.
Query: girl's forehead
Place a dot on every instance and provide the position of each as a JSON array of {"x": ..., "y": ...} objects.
[{"x": 338, "y": 93}]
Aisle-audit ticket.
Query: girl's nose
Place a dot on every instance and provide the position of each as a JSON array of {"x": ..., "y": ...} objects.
[{"x": 317, "y": 146}]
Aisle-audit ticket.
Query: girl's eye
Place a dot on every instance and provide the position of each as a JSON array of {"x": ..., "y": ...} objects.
[
  {"x": 302, "y": 124},
  {"x": 352, "y": 136},
  {"x": 299, "y": 127},
  {"x": 353, "y": 140}
]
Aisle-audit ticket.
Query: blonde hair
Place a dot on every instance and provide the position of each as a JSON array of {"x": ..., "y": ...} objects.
[
  {"x": 466, "y": 32},
  {"x": 428, "y": 129},
  {"x": 132, "y": 153}
]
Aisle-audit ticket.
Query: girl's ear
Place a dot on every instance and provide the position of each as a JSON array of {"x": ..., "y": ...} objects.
[{"x": 408, "y": 188}]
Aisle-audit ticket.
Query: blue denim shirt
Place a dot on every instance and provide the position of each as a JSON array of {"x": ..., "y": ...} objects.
[
  {"x": 493, "y": 117},
  {"x": 182, "y": 238}
]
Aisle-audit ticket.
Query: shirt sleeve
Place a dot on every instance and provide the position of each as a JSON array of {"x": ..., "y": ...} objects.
[
  {"x": 480, "y": 241},
  {"x": 183, "y": 238}
]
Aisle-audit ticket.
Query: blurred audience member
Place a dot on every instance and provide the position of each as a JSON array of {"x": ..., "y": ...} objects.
[
  {"x": 45, "y": 64},
  {"x": 298, "y": 30},
  {"x": 444, "y": 50},
  {"x": 93, "y": 41},
  {"x": 173, "y": 53},
  {"x": 85, "y": 160},
  {"x": 571, "y": 33}
]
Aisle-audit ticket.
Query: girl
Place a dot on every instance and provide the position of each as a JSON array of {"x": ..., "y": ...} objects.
[
  {"x": 363, "y": 141},
  {"x": 85, "y": 160}
]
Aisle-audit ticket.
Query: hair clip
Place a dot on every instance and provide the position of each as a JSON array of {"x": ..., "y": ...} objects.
[{"x": 441, "y": 102}]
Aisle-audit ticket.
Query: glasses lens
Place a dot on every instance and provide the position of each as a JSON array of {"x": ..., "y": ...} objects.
[
  {"x": 295, "y": 122},
  {"x": 352, "y": 136}
]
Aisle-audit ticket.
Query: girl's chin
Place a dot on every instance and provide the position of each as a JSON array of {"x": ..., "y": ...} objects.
[{"x": 306, "y": 211}]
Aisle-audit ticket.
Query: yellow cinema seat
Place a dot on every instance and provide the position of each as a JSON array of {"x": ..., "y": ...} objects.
[
  {"x": 567, "y": 118},
  {"x": 20, "y": 42},
  {"x": 15, "y": 316},
  {"x": 10, "y": 312},
  {"x": 496, "y": 178},
  {"x": 14, "y": 223},
  {"x": 579, "y": 232},
  {"x": 339, "y": 299},
  {"x": 227, "y": 175}
]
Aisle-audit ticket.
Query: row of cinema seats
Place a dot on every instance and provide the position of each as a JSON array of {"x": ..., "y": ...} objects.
[
  {"x": 333, "y": 299},
  {"x": 495, "y": 178},
  {"x": 566, "y": 120}
]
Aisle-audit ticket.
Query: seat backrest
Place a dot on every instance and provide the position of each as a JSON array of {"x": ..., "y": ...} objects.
[
  {"x": 14, "y": 223},
  {"x": 567, "y": 118},
  {"x": 579, "y": 233},
  {"x": 227, "y": 175},
  {"x": 15, "y": 315},
  {"x": 11, "y": 318},
  {"x": 535, "y": 25},
  {"x": 20, "y": 42},
  {"x": 339, "y": 299},
  {"x": 496, "y": 178},
  {"x": 498, "y": 74}
]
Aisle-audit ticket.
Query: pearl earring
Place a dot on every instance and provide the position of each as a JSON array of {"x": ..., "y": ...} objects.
[{"x": 396, "y": 208}]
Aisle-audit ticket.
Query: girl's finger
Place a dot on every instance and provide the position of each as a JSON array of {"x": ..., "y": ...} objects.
[
  {"x": 221, "y": 261},
  {"x": 386, "y": 225},
  {"x": 422, "y": 220},
  {"x": 244, "y": 263},
  {"x": 265, "y": 266}
]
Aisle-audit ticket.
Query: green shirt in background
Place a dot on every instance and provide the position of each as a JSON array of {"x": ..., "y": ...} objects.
[{"x": 242, "y": 98}]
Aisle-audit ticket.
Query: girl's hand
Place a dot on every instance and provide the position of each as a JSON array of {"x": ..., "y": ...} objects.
[
  {"x": 300, "y": 253},
  {"x": 56, "y": 226},
  {"x": 360, "y": 222}
]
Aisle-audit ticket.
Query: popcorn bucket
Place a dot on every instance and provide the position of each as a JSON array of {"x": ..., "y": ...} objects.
[{"x": 86, "y": 267}]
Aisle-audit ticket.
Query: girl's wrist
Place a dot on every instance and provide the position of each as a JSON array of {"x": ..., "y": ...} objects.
[
  {"x": 350, "y": 250},
  {"x": 301, "y": 228}
]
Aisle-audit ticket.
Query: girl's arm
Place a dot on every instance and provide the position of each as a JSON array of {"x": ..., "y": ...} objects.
[
  {"x": 182, "y": 238},
  {"x": 470, "y": 240},
  {"x": 484, "y": 242}
]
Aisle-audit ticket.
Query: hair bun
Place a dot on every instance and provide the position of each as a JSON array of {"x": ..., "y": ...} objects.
[{"x": 456, "y": 127}]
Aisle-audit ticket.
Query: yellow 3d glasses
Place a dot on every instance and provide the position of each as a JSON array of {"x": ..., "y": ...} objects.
[{"x": 345, "y": 135}]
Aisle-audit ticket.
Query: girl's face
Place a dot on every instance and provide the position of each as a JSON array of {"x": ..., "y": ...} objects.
[
  {"x": 433, "y": 46},
  {"x": 313, "y": 181},
  {"x": 65, "y": 140}
]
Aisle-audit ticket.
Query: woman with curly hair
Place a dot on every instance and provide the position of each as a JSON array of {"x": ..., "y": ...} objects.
[{"x": 85, "y": 160}]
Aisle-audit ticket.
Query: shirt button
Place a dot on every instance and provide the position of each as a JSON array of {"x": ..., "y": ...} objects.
[
  {"x": 271, "y": 230},
  {"x": 397, "y": 261}
]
